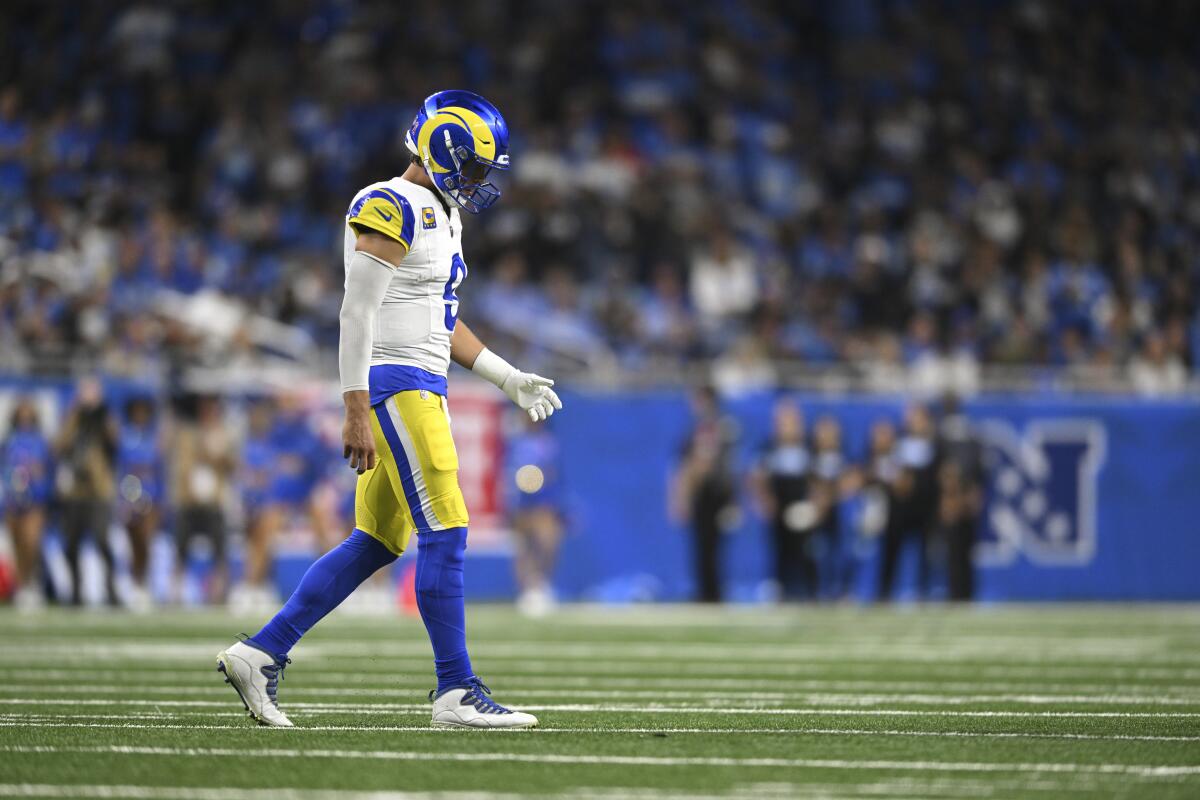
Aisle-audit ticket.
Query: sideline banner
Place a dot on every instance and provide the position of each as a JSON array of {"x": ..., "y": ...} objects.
[{"x": 1088, "y": 498}]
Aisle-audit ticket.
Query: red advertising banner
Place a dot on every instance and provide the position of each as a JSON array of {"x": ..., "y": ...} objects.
[{"x": 476, "y": 419}]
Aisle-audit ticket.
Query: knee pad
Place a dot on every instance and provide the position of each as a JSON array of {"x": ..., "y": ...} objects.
[
  {"x": 343, "y": 568},
  {"x": 371, "y": 550}
]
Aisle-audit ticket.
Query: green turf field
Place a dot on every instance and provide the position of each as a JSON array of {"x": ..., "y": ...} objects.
[{"x": 636, "y": 702}]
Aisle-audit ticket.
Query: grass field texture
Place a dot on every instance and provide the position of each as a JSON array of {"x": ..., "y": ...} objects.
[{"x": 648, "y": 702}]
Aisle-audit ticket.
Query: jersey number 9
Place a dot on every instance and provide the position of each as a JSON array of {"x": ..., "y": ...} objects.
[{"x": 458, "y": 271}]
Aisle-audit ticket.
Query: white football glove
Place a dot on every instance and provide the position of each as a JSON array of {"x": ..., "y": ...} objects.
[{"x": 530, "y": 392}]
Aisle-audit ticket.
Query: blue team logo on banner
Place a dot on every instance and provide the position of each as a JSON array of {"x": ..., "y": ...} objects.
[{"x": 1041, "y": 491}]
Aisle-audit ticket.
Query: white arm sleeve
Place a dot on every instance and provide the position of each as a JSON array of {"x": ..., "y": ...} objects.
[{"x": 367, "y": 281}]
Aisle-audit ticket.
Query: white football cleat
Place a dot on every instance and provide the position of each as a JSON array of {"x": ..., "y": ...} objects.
[
  {"x": 255, "y": 676},
  {"x": 470, "y": 707}
]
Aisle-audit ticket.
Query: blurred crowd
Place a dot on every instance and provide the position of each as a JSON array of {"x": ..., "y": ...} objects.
[
  {"x": 202, "y": 498},
  {"x": 912, "y": 190},
  {"x": 198, "y": 469},
  {"x": 840, "y": 524}
]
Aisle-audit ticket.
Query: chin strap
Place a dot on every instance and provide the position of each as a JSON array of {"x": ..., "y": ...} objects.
[{"x": 426, "y": 161}]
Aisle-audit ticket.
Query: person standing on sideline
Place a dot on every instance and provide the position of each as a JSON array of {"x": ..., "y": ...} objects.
[
  {"x": 86, "y": 482},
  {"x": 960, "y": 505},
  {"x": 702, "y": 489},
  {"x": 203, "y": 464},
  {"x": 25, "y": 466},
  {"x": 780, "y": 483},
  {"x": 885, "y": 489},
  {"x": 826, "y": 485},
  {"x": 141, "y": 487},
  {"x": 296, "y": 459},
  {"x": 535, "y": 503},
  {"x": 912, "y": 500}
]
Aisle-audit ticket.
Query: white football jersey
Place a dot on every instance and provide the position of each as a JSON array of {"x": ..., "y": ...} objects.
[{"x": 419, "y": 311}]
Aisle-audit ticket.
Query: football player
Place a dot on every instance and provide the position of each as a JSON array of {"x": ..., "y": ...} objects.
[{"x": 399, "y": 331}]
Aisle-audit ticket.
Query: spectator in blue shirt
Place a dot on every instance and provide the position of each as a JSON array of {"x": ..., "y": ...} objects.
[
  {"x": 140, "y": 485},
  {"x": 282, "y": 459},
  {"x": 258, "y": 455},
  {"x": 25, "y": 462},
  {"x": 259, "y": 463}
]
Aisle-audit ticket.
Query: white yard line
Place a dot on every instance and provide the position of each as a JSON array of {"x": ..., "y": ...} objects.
[
  {"x": 1117, "y": 676},
  {"x": 399, "y": 708},
  {"x": 818, "y": 791},
  {"x": 413, "y": 638},
  {"x": 225, "y": 793},
  {"x": 10, "y": 716},
  {"x": 785, "y": 690},
  {"x": 805, "y": 698},
  {"x": 877, "y": 788},
  {"x": 1132, "y": 770},
  {"x": 216, "y": 688},
  {"x": 135, "y": 792},
  {"x": 8, "y": 721},
  {"x": 389, "y": 679},
  {"x": 663, "y": 667},
  {"x": 1012, "y": 615},
  {"x": 1019, "y": 650}
]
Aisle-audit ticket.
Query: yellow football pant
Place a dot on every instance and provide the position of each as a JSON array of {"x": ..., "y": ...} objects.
[{"x": 414, "y": 486}]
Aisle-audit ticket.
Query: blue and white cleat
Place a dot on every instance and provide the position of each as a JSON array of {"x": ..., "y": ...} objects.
[
  {"x": 255, "y": 676},
  {"x": 470, "y": 706}
]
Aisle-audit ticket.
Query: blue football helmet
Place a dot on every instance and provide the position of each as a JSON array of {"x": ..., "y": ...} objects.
[{"x": 460, "y": 138}]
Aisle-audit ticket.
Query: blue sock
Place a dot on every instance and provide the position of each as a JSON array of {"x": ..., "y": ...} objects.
[
  {"x": 322, "y": 589},
  {"x": 440, "y": 557}
]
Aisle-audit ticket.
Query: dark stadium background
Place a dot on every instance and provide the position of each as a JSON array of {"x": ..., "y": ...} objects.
[{"x": 862, "y": 205}]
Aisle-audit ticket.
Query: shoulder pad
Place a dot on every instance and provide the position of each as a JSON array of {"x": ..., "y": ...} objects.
[{"x": 385, "y": 211}]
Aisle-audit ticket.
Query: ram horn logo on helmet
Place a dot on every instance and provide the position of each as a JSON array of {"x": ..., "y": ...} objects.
[{"x": 460, "y": 138}]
